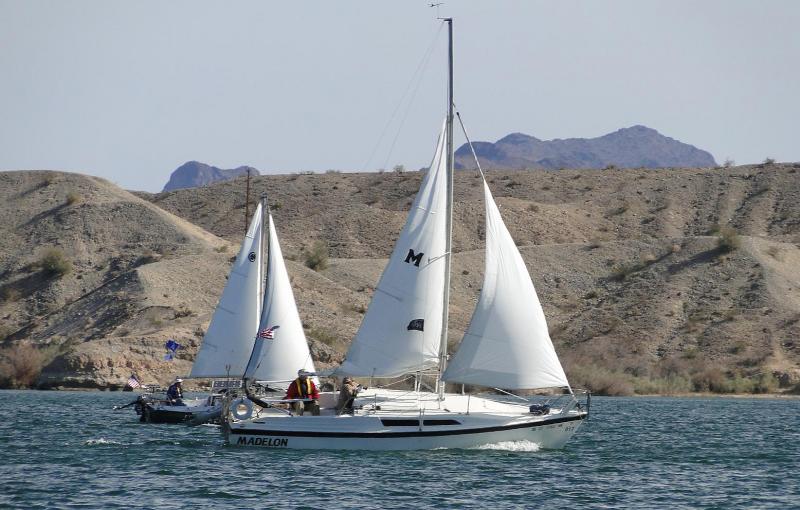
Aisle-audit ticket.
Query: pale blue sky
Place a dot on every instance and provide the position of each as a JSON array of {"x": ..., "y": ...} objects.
[{"x": 131, "y": 90}]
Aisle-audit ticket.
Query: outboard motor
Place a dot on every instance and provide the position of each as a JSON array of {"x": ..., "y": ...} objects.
[{"x": 539, "y": 409}]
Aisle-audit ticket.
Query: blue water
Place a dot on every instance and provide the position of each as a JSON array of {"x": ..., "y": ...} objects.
[{"x": 71, "y": 450}]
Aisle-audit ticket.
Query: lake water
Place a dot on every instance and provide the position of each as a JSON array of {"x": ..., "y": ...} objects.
[{"x": 71, "y": 450}]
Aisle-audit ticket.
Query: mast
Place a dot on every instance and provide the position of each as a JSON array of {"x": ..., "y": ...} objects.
[
  {"x": 449, "y": 211},
  {"x": 247, "y": 203},
  {"x": 264, "y": 271},
  {"x": 264, "y": 242}
]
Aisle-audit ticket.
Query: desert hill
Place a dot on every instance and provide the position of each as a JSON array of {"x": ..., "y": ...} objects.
[
  {"x": 637, "y": 290},
  {"x": 633, "y": 147},
  {"x": 131, "y": 275},
  {"x": 652, "y": 280}
]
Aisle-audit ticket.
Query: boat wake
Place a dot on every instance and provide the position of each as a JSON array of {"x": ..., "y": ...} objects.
[
  {"x": 511, "y": 446},
  {"x": 101, "y": 441}
]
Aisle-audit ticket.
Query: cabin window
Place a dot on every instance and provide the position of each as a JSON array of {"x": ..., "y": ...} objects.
[
  {"x": 429, "y": 423},
  {"x": 388, "y": 422}
]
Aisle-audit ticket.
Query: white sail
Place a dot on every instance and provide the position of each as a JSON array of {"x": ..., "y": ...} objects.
[
  {"x": 401, "y": 330},
  {"x": 229, "y": 339},
  {"x": 280, "y": 357},
  {"x": 507, "y": 344}
]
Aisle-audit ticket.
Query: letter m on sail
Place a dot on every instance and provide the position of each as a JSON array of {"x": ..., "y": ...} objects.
[{"x": 414, "y": 258}]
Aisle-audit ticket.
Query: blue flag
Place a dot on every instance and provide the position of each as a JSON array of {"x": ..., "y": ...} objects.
[{"x": 171, "y": 346}]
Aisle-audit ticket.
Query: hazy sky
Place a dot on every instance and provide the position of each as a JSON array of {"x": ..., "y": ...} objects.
[{"x": 131, "y": 90}]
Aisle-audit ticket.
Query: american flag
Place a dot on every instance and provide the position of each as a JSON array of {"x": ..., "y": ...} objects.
[
  {"x": 133, "y": 382},
  {"x": 268, "y": 333}
]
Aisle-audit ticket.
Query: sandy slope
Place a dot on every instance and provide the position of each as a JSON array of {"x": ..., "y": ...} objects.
[{"x": 625, "y": 262}]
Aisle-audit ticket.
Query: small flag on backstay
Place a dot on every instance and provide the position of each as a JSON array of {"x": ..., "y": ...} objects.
[
  {"x": 171, "y": 346},
  {"x": 133, "y": 382},
  {"x": 268, "y": 333},
  {"x": 416, "y": 324}
]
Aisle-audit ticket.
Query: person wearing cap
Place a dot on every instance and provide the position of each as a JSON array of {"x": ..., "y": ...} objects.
[
  {"x": 175, "y": 393},
  {"x": 303, "y": 388},
  {"x": 347, "y": 395}
]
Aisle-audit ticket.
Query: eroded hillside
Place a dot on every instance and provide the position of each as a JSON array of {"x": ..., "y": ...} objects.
[
  {"x": 652, "y": 280},
  {"x": 639, "y": 287}
]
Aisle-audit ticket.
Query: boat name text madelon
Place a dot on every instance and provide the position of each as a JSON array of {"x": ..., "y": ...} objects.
[{"x": 269, "y": 442}]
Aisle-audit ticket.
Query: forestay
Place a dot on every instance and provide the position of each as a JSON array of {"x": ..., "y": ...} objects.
[
  {"x": 507, "y": 344},
  {"x": 401, "y": 330},
  {"x": 280, "y": 357},
  {"x": 229, "y": 339}
]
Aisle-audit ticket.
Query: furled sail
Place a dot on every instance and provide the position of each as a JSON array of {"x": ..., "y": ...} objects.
[
  {"x": 401, "y": 330},
  {"x": 280, "y": 346},
  {"x": 229, "y": 339},
  {"x": 507, "y": 344}
]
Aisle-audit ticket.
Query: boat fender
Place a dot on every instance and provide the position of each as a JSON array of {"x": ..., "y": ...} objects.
[
  {"x": 242, "y": 409},
  {"x": 539, "y": 409}
]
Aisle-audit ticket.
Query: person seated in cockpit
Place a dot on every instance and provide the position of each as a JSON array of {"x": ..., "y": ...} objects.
[
  {"x": 175, "y": 393},
  {"x": 303, "y": 388}
]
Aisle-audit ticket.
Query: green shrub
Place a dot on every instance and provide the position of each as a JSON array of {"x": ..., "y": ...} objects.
[
  {"x": 324, "y": 336},
  {"x": 712, "y": 380},
  {"x": 738, "y": 347},
  {"x": 317, "y": 256},
  {"x": 10, "y": 294},
  {"x": 622, "y": 209},
  {"x": 5, "y": 332},
  {"x": 73, "y": 198},
  {"x": 182, "y": 311},
  {"x": 765, "y": 383},
  {"x": 622, "y": 271},
  {"x": 20, "y": 366},
  {"x": 727, "y": 240},
  {"x": 601, "y": 381},
  {"x": 54, "y": 262}
]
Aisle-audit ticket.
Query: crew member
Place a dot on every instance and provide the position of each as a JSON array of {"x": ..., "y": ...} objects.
[
  {"x": 303, "y": 388},
  {"x": 347, "y": 394},
  {"x": 175, "y": 393}
]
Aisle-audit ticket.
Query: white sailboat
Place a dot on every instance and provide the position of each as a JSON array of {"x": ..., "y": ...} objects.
[
  {"x": 404, "y": 331},
  {"x": 229, "y": 339},
  {"x": 276, "y": 357}
]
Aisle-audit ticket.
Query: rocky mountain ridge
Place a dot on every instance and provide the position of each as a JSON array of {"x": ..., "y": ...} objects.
[
  {"x": 194, "y": 174},
  {"x": 633, "y": 147}
]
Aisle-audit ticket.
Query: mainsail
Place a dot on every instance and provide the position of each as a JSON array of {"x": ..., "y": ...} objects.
[
  {"x": 401, "y": 330},
  {"x": 229, "y": 339},
  {"x": 280, "y": 347},
  {"x": 507, "y": 344}
]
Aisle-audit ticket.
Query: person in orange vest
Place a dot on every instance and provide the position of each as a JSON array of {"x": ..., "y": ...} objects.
[{"x": 304, "y": 388}]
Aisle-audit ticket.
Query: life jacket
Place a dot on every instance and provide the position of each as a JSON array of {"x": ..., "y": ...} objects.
[{"x": 304, "y": 393}]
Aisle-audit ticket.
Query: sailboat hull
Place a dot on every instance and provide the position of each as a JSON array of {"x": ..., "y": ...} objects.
[
  {"x": 447, "y": 426},
  {"x": 195, "y": 411}
]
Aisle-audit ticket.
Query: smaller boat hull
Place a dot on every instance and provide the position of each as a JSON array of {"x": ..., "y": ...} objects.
[{"x": 193, "y": 413}]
